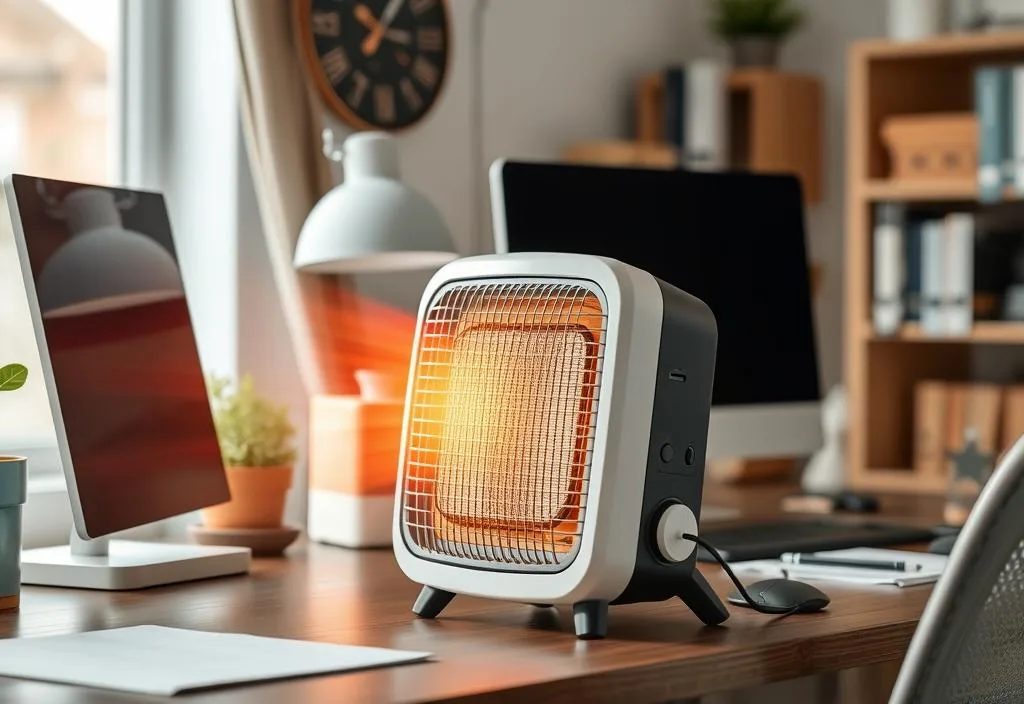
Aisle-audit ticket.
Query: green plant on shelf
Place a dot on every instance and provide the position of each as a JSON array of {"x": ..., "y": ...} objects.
[
  {"x": 252, "y": 431},
  {"x": 13, "y": 377},
  {"x": 735, "y": 19}
]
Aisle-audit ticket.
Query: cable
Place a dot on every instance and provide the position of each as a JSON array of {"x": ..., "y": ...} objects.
[{"x": 739, "y": 585}]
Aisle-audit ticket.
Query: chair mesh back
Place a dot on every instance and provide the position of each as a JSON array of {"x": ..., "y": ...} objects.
[
  {"x": 990, "y": 667},
  {"x": 969, "y": 646}
]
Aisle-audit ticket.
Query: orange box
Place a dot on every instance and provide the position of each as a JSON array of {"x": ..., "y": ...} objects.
[
  {"x": 353, "y": 466},
  {"x": 932, "y": 146}
]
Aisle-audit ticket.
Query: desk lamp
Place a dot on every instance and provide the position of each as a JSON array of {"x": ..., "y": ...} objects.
[{"x": 370, "y": 223}]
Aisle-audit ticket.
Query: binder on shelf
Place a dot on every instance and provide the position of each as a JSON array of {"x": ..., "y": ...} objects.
[
  {"x": 992, "y": 87},
  {"x": 933, "y": 319},
  {"x": 1013, "y": 417},
  {"x": 958, "y": 267},
  {"x": 912, "y": 265},
  {"x": 705, "y": 116},
  {"x": 975, "y": 406},
  {"x": 1017, "y": 120},
  {"x": 674, "y": 130},
  {"x": 930, "y": 400},
  {"x": 888, "y": 268}
]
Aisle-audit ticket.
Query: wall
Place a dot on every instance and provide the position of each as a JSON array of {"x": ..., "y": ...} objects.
[
  {"x": 821, "y": 49},
  {"x": 555, "y": 72},
  {"x": 569, "y": 77}
]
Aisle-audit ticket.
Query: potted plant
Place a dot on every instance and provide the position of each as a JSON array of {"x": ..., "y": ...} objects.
[
  {"x": 13, "y": 481},
  {"x": 755, "y": 28},
  {"x": 256, "y": 443}
]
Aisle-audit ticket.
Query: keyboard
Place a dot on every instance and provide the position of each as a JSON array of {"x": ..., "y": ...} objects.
[{"x": 768, "y": 540}]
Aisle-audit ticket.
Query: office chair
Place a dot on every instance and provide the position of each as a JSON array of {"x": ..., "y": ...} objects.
[{"x": 969, "y": 645}]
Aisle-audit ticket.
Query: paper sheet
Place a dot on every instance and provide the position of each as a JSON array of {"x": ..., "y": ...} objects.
[
  {"x": 167, "y": 661},
  {"x": 931, "y": 568}
]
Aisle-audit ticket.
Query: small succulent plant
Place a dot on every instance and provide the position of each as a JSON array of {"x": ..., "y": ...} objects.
[
  {"x": 13, "y": 377},
  {"x": 253, "y": 432}
]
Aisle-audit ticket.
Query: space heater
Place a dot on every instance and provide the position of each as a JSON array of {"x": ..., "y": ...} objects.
[{"x": 554, "y": 437}]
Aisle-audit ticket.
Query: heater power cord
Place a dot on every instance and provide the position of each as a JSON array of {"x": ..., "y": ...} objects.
[{"x": 739, "y": 585}]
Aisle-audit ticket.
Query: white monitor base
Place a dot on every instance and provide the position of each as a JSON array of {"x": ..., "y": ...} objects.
[{"x": 130, "y": 565}]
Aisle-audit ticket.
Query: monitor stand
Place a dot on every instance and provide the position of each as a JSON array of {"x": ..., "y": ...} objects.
[{"x": 121, "y": 564}]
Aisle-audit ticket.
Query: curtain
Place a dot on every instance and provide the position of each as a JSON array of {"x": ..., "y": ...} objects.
[{"x": 282, "y": 119}]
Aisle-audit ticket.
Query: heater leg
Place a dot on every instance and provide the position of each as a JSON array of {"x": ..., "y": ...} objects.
[
  {"x": 431, "y": 602},
  {"x": 702, "y": 600},
  {"x": 590, "y": 619}
]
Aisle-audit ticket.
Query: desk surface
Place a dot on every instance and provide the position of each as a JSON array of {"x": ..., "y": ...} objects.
[{"x": 486, "y": 650}]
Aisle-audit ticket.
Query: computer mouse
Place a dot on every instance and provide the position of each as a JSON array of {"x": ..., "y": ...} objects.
[
  {"x": 780, "y": 596},
  {"x": 943, "y": 545}
]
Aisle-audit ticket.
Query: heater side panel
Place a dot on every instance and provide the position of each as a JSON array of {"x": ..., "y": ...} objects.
[{"x": 678, "y": 442}]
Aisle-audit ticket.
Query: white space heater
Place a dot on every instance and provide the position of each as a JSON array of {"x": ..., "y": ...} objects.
[{"x": 554, "y": 437}]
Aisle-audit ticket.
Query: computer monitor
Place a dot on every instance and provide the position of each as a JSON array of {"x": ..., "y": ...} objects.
[
  {"x": 734, "y": 240},
  {"x": 127, "y": 392}
]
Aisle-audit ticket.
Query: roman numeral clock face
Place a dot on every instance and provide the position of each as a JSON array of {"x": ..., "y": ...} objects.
[{"x": 379, "y": 64}]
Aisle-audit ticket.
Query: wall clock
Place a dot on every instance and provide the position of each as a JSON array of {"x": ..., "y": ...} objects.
[{"x": 379, "y": 64}]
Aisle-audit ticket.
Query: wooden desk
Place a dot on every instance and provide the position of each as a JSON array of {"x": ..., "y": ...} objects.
[{"x": 485, "y": 650}]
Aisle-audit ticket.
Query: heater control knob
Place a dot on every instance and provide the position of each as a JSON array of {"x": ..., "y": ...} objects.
[{"x": 675, "y": 521}]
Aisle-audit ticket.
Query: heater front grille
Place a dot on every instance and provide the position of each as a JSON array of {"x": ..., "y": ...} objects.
[{"x": 501, "y": 423}]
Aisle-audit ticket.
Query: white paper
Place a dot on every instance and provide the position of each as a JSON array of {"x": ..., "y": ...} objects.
[
  {"x": 167, "y": 661},
  {"x": 931, "y": 567}
]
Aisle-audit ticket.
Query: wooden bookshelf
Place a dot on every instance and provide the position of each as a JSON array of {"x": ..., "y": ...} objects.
[
  {"x": 886, "y": 79},
  {"x": 984, "y": 332},
  {"x": 775, "y": 126}
]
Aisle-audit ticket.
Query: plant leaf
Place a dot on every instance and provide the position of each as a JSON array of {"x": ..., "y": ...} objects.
[{"x": 13, "y": 377}]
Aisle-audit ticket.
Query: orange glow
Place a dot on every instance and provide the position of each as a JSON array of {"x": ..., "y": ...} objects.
[
  {"x": 355, "y": 332},
  {"x": 502, "y": 421}
]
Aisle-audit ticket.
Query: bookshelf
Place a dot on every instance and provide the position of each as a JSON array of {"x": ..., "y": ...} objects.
[
  {"x": 886, "y": 79},
  {"x": 775, "y": 126}
]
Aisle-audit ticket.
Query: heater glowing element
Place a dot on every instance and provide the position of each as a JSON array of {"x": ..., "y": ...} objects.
[{"x": 501, "y": 423}]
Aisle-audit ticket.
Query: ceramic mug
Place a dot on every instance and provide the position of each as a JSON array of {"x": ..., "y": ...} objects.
[{"x": 13, "y": 486}]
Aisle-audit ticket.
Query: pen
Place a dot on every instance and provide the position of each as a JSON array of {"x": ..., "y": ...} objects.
[{"x": 890, "y": 565}]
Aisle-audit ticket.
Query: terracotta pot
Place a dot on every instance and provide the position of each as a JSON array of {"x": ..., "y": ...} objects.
[{"x": 257, "y": 498}]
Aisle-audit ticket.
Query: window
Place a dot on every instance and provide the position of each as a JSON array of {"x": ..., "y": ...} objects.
[{"x": 59, "y": 96}]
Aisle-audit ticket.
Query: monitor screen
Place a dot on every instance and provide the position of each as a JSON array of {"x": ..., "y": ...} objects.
[
  {"x": 734, "y": 240},
  {"x": 126, "y": 387}
]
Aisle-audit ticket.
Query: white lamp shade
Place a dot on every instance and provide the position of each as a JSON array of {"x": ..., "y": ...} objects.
[
  {"x": 107, "y": 269},
  {"x": 373, "y": 224}
]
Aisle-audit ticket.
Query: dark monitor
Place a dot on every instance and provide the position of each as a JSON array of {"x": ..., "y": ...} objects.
[{"x": 734, "y": 240}]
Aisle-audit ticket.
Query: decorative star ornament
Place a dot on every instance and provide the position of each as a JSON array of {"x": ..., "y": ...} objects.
[{"x": 971, "y": 463}]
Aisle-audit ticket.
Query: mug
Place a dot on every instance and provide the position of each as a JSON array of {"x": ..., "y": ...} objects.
[{"x": 13, "y": 487}]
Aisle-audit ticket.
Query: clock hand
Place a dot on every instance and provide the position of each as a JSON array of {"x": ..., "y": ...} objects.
[
  {"x": 372, "y": 41},
  {"x": 388, "y": 16},
  {"x": 365, "y": 17}
]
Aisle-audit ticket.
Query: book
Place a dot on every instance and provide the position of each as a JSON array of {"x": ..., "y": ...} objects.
[
  {"x": 933, "y": 321},
  {"x": 977, "y": 407},
  {"x": 889, "y": 268},
  {"x": 649, "y": 104},
  {"x": 1013, "y": 417},
  {"x": 992, "y": 86},
  {"x": 705, "y": 116},
  {"x": 958, "y": 273},
  {"x": 930, "y": 403},
  {"x": 674, "y": 130},
  {"x": 1018, "y": 128},
  {"x": 912, "y": 264}
]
